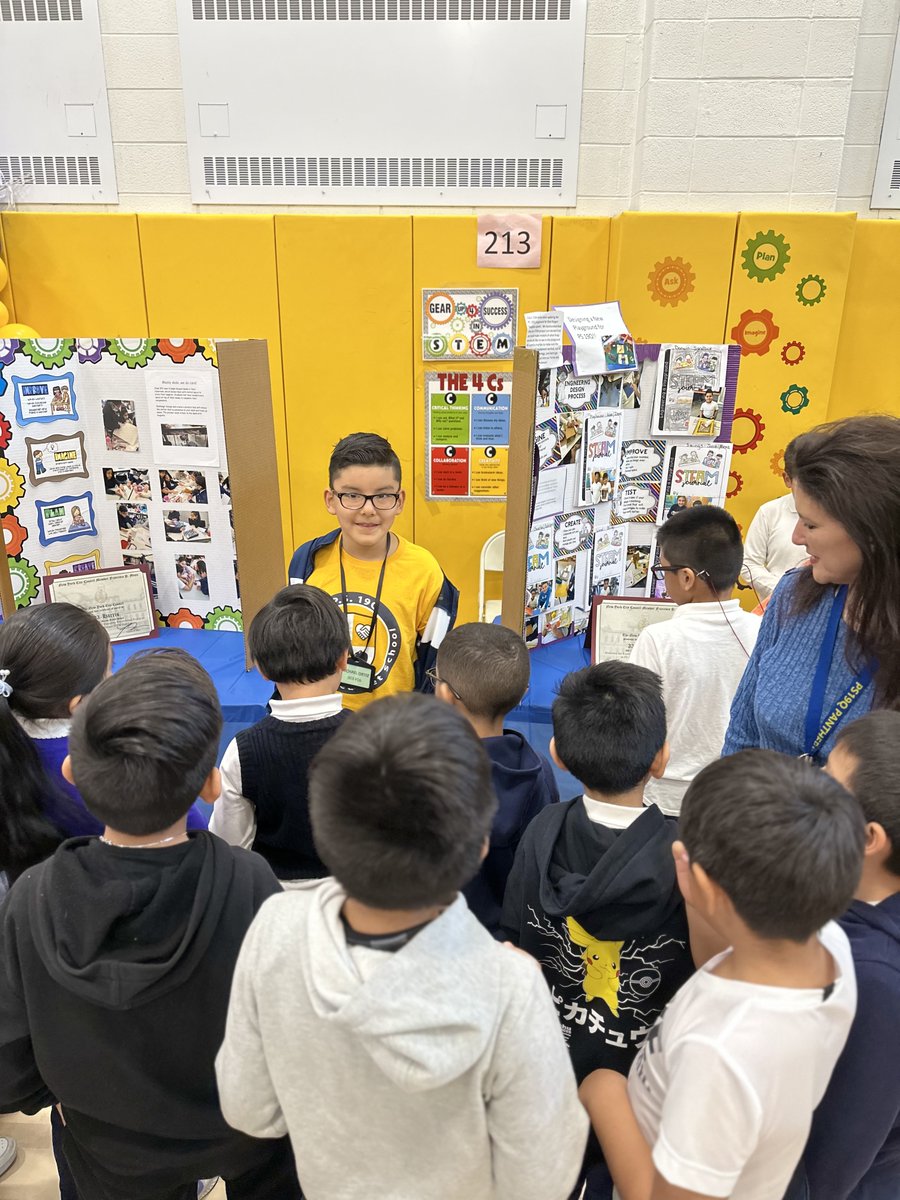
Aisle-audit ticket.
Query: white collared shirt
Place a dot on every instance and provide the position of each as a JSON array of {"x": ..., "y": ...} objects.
[
  {"x": 768, "y": 549},
  {"x": 613, "y": 816},
  {"x": 234, "y": 817}
]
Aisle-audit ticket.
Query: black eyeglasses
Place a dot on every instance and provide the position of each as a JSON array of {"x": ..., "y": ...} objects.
[
  {"x": 436, "y": 679},
  {"x": 659, "y": 573},
  {"x": 354, "y": 501}
]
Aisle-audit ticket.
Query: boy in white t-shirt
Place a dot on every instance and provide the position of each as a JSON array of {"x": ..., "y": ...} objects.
[
  {"x": 720, "y": 1098},
  {"x": 700, "y": 654}
]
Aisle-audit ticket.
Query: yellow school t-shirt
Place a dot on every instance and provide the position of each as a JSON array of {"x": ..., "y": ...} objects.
[{"x": 412, "y": 584}]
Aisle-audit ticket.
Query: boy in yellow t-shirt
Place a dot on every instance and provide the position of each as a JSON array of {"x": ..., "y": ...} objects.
[{"x": 397, "y": 600}]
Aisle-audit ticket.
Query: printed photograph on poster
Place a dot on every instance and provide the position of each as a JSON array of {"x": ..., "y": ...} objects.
[
  {"x": 636, "y": 496},
  {"x": 610, "y": 393},
  {"x": 599, "y": 456},
  {"x": 130, "y": 484},
  {"x": 569, "y": 430},
  {"x": 65, "y": 518},
  {"x": 73, "y": 564},
  {"x": 690, "y": 391},
  {"x": 540, "y": 551},
  {"x": 655, "y": 589},
  {"x": 538, "y": 596},
  {"x": 224, "y": 488},
  {"x": 40, "y": 399},
  {"x": 53, "y": 459},
  {"x": 546, "y": 438},
  {"x": 608, "y": 570},
  {"x": 637, "y": 568},
  {"x": 531, "y": 632},
  {"x": 546, "y": 395},
  {"x": 144, "y": 560},
  {"x": 189, "y": 525},
  {"x": 564, "y": 580},
  {"x": 556, "y": 624},
  {"x": 192, "y": 575},
  {"x": 183, "y": 417},
  {"x": 183, "y": 487},
  {"x": 694, "y": 473},
  {"x": 631, "y": 389},
  {"x": 573, "y": 531},
  {"x": 461, "y": 323},
  {"x": 120, "y": 426},
  {"x": 134, "y": 528}
]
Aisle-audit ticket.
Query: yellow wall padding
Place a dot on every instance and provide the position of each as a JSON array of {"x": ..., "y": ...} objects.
[
  {"x": 870, "y": 324},
  {"x": 580, "y": 258},
  {"x": 215, "y": 276},
  {"x": 347, "y": 331},
  {"x": 444, "y": 254},
  {"x": 787, "y": 302},
  {"x": 76, "y": 274},
  {"x": 670, "y": 272}
]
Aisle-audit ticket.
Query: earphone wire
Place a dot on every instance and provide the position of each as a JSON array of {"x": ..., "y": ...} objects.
[{"x": 705, "y": 574}]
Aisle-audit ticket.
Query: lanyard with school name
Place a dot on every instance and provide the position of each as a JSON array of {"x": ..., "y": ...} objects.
[
  {"x": 818, "y": 730},
  {"x": 359, "y": 674}
]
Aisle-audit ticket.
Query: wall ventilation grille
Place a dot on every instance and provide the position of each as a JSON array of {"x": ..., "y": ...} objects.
[
  {"x": 40, "y": 10},
  {"x": 374, "y": 10},
  {"x": 895, "y": 175},
  {"x": 52, "y": 170},
  {"x": 427, "y": 173}
]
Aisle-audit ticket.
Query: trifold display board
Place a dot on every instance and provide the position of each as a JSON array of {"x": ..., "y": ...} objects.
[
  {"x": 615, "y": 456},
  {"x": 114, "y": 452}
]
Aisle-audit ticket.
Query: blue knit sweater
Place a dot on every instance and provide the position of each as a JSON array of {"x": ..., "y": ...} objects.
[{"x": 769, "y": 707}]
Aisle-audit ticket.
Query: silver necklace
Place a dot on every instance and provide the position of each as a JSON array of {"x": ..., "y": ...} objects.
[{"x": 144, "y": 845}]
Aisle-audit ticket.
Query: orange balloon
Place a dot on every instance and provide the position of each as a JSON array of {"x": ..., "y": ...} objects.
[{"x": 18, "y": 331}]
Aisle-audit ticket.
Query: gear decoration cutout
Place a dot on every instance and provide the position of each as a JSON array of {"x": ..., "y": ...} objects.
[
  {"x": 226, "y": 618},
  {"x": 793, "y": 353},
  {"x": 90, "y": 350},
  {"x": 178, "y": 349},
  {"x": 5, "y": 431},
  {"x": 8, "y": 350},
  {"x": 208, "y": 350},
  {"x": 765, "y": 256},
  {"x": 670, "y": 282},
  {"x": 776, "y": 463},
  {"x": 795, "y": 399},
  {"x": 12, "y": 486},
  {"x": 48, "y": 352},
  {"x": 811, "y": 290},
  {"x": 755, "y": 331},
  {"x": 14, "y": 534},
  {"x": 3, "y": 384},
  {"x": 24, "y": 577},
  {"x": 759, "y": 429},
  {"x": 132, "y": 352},
  {"x": 735, "y": 483},
  {"x": 184, "y": 619}
]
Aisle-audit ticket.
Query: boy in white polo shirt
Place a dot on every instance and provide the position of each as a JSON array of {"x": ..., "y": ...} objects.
[{"x": 700, "y": 654}]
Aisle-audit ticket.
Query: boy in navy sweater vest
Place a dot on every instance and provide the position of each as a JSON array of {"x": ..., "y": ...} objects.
[
  {"x": 300, "y": 642},
  {"x": 483, "y": 671}
]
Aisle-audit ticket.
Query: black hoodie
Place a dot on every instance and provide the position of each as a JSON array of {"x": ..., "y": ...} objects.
[
  {"x": 115, "y": 972},
  {"x": 600, "y": 909}
]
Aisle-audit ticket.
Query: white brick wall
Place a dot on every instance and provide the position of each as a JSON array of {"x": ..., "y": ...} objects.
[{"x": 698, "y": 105}]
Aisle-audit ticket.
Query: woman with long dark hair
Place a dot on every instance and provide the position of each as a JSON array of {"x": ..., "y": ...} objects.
[{"x": 829, "y": 647}]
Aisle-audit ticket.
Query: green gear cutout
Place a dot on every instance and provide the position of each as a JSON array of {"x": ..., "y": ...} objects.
[
  {"x": 225, "y": 617},
  {"x": 766, "y": 255},
  {"x": 795, "y": 399},
  {"x": 132, "y": 352},
  {"x": 24, "y": 578},
  {"x": 48, "y": 352},
  {"x": 811, "y": 290}
]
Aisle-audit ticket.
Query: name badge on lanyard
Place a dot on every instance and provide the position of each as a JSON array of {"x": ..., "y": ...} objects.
[{"x": 359, "y": 674}]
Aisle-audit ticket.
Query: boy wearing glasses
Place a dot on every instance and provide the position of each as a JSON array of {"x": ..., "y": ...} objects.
[
  {"x": 700, "y": 654},
  {"x": 396, "y": 600}
]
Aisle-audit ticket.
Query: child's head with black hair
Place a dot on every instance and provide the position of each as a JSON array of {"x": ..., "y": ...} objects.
[
  {"x": 144, "y": 745},
  {"x": 866, "y": 761},
  {"x": 790, "y": 867},
  {"x": 609, "y": 728},
  {"x": 701, "y": 552},
  {"x": 401, "y": 803},
  {"x": 300, "y": 638},
  {"x": 51, "y": 656},
  {"x": 484, "y": 670}
]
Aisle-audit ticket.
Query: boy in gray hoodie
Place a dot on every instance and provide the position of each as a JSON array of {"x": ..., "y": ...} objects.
[{"x": 372, "y": 1018}]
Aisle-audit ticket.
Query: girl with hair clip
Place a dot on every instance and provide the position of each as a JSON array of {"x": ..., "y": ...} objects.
[
  {"x": 829, "y": 646},
  {"x": 51, "y": 656}
]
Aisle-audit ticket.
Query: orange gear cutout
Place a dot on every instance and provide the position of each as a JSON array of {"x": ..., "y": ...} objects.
[
  {"x": 671, "y": 281},
  {"x": 755, "y": 331}
]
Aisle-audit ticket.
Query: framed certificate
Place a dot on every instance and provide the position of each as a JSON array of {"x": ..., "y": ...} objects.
[
  {"x": 121, "y": 598},
  {"x": 616, "y": 622}
]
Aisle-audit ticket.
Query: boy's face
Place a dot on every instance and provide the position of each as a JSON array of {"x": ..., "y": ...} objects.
[
  {"x": 675, "y": 589},
  {"x": 366, "y": 527}
]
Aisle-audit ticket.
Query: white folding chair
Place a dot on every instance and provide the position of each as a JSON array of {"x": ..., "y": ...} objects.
[{"x": 491, "y": 560}]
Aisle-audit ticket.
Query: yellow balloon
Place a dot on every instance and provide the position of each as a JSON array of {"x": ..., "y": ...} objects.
[
  {"x": 4, "y": 313},
  {"x": 4, "y": 275},
  {"x": 18, "y": 331}
]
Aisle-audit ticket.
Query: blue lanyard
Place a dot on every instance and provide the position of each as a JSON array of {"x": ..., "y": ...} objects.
[{"x": 819, "y": 726}]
